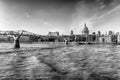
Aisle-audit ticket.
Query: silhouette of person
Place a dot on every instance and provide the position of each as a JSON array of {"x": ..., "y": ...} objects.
[{"x": 16, "y": 40}]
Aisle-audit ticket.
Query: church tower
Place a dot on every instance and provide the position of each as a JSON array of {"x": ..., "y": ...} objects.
[{"x": 85, "y": 30}]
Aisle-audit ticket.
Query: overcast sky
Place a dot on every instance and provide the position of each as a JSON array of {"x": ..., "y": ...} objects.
[{"x": 42, "y": 16}]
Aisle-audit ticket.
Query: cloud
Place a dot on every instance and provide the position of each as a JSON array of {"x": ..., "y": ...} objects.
[
  {"x": 59, "y": 12},
  {"x": 97, "y": 14},
  {"x": 107, "y": 21},
  {"x": 112, "y": 13}
]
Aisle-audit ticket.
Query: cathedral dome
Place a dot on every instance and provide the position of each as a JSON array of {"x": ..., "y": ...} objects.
[{"x": 85, "y": 30}]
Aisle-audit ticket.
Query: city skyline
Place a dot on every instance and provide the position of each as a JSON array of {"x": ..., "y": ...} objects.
[{"x": 43, "y": 16}]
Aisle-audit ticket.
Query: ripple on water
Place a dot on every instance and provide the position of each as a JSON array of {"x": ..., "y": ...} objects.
[{"x": 23, "y": 64}]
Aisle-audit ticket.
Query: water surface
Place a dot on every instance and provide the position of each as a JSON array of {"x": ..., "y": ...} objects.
[{"x": 34, "y": 62}]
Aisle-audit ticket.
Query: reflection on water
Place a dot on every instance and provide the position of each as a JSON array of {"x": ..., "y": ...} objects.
[{"x": 39, "y": 64}]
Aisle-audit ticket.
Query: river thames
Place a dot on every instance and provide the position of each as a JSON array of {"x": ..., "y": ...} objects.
[{"x": 53, "y": 62}]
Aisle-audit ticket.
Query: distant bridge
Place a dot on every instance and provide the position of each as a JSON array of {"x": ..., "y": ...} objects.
[{"x": 25, "y": 33}]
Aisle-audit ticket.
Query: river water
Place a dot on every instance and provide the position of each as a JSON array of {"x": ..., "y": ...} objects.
[{"x": 43, "y": 61}]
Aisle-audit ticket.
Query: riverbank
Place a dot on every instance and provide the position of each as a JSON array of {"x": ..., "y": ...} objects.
[{"x": 83, "y": 62}]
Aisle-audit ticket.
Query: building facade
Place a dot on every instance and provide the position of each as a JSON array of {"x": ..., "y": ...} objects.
[
  {"x": 53, "y": 34},
  {"x": 97, "y": 38}
]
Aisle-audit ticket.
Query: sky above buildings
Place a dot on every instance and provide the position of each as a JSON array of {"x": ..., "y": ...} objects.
[{"x": 42, "y": 16}]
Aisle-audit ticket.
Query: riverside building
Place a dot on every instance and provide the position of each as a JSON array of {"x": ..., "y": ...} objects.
[{"x": 85, "y": 37}]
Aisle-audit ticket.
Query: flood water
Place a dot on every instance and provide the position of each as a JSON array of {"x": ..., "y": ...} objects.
[{"x": 37, "y": 61}]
